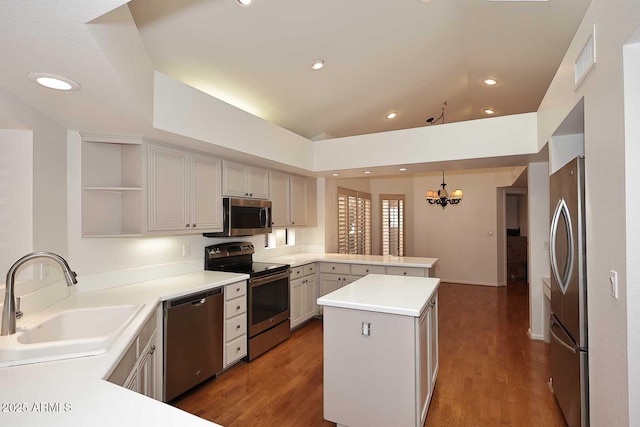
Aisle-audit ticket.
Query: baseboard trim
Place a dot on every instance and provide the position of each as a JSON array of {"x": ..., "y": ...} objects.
[
  {"x": 466, "y": 282},
  {"x": 534, "y": 337}
]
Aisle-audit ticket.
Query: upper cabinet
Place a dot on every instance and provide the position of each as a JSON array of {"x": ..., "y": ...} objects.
[
  {"x": 112, "y": 186},
  {"x": 244, "y": 181},
  {"x": 183, "y": 190},
  {"x": 279, "y": 195},
  {"x": 293, "y": 200}
]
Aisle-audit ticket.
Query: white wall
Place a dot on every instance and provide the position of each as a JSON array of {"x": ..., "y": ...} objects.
[
  {"x": 606, "y": 179},
  {"x": 563, "y": 149},
  {"x": 493, "y": 137},
  {"x": 16, "y": 197},
  {"x": 538, "y": 239},
  {"x": 632, "y": 171}
]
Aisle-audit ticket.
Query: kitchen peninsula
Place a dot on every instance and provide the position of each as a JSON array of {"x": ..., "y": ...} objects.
[{"x": 380, "y": 350}]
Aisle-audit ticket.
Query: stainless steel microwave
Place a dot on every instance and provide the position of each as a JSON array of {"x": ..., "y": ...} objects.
[{"x": 244, "y": 217}]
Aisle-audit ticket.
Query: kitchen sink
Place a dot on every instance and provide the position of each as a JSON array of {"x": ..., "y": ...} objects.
[{"x": 67, "y": 334}]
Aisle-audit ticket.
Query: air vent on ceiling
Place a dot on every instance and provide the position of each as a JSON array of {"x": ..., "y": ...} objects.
[{"x": 586, "y": 60}]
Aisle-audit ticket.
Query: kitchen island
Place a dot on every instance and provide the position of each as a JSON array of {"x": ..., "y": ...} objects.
[{"x": 380, "y": 350}]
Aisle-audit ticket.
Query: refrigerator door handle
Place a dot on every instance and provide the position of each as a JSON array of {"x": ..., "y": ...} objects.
[
  {"x": 559, "y": 340},
  {"x": 561, "y": 210}
]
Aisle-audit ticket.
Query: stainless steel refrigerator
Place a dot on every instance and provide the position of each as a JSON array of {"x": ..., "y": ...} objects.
[{"x": 568, "y": 326}]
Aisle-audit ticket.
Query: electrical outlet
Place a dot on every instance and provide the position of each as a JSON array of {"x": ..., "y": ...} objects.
[
  {"x": 45, "y": 271},
  {"x": 186, "y": 250}
]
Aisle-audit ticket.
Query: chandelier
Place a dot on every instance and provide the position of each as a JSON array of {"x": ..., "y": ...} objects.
[{"x": 441, "y": 197}]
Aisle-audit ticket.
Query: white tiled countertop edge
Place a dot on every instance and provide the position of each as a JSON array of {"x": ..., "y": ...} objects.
[
  {"x": 79, "y": 383},
  {"x": 379, "y": 293}
]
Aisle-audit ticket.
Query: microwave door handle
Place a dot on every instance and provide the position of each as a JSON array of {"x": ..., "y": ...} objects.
[
  {"x": 267, "y": 220},
  {"x": 263, "y": 213}
]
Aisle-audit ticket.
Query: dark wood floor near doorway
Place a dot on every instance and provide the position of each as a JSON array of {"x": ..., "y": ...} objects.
[{"x": 491, "y": 374}]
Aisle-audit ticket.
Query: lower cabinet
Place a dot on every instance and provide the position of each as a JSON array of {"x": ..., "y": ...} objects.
[
  {"x": 303, "y": 294},
  {"x": 141, "y": 366},
  {"x": 379, "y": 368},
  {"x": 235, "y": 323}
]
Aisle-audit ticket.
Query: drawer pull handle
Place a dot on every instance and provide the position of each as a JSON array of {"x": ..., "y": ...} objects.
[
  {"x": 237, "y": 289},
  {"x": 237, "y": 307},
  {"x": 152, "y": 349},
  {"x": 333, "y": 268},
  {"x": 404, "y": 272},
  {"x": 367, "y": 270},
  {"x": 237, "y": 326},
  {"x": 237, "y": 349}
]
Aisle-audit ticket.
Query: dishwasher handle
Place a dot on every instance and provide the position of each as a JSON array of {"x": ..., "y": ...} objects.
[{"x": 194, "y": 299}]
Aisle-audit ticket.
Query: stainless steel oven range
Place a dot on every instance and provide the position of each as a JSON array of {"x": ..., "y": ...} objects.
[{"x": 267, "y": 293}]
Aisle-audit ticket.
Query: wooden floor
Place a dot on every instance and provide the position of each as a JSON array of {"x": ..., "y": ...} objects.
[{"x": 490, "y": 374}]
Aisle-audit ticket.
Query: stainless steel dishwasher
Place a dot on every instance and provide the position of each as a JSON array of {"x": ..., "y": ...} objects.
[{"x": 192, "y": 340}]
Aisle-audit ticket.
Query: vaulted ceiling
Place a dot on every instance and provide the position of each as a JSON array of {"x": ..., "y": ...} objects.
[{"x": 381, "y": 56}]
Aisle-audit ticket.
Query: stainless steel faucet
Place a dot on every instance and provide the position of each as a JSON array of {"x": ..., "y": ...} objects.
[{"x": 9, "y": 309}]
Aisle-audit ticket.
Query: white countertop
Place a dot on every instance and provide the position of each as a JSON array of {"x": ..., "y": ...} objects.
[
  {"x": 388, "y": 260},
  {"x": 406, "y": 296},
  {"x": 77, "y": 385}
]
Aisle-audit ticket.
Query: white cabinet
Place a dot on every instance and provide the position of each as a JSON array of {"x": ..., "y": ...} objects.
[
  {"x": 408, "y": 271},
  {"x": 140, "y": 367},
  {"x": 183, "y": 190},
  {"x": 245, "y": 181},
  {"x": 279, "y": 194},
  {"x": 303, "y": 294},
  {"x": 235, "y": 323},
  {"x": 293, "y": 200},
  {"x": 112, "y": 186},
  {"x": 334, "y": 275},
  {"x": 379, "y": 368},
  {"x": 299, "y": 200}
]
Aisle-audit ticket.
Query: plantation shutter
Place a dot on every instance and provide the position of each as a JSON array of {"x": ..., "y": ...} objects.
[
  {"x": 354, "y": 222},
  {"x": 392, "y": 216}
]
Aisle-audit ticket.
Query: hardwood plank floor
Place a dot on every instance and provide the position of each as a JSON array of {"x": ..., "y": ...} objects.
[{"x": 490, "y": 373}]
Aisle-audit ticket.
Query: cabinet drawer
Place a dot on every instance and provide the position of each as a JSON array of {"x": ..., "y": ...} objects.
[
  {"x": 297, "y": 272},
  {"x": 235, "y": 307},
  {"x": 236, "y": 327},
  {"x": 334, "y": 267},
  {"x": 235, "y": 350},
  {"x": 406, "y": 271},
  {"x": 363, "y": 270},
  {"x": 309, "y": 269},
  {"x": 235, "y": 290}
]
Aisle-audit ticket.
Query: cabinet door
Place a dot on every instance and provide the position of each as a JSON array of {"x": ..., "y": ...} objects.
[
  {"x": 297, "y": 302},
  {"x": 258, "y": 182},
  {"x": 233, "y": 180},
  {"x": 279, "y": 196},
  {"x": 168, "y": 189},
  {"x": 206, "y": 193},
  {"x": 433, "y": 342},
  {"x": 298, "y": 200},
  {"x": 310, "y": 307},
  {"x": 329, "y": 283},
  {"x": 423, "y": 363}
]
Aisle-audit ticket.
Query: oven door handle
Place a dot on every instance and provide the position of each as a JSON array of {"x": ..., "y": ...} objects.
[{"x": 268, "y": 279}]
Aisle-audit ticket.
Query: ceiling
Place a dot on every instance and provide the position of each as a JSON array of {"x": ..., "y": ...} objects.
[{"x": 407, "y": 56}]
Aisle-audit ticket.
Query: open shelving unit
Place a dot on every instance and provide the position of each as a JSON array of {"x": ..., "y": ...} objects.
[{"x": 112, "y": 186}]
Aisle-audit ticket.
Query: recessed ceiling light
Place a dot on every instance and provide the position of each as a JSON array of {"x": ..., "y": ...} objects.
[
  {"x": 53, "y": 81},
  {"x": 245, "y": 3},
  {"x": 318, "y": 64},
  {"x": 489, "y": 111},
  {"x": 335, "y": 174},
  {"x": 423, "y": 1},
  {"x": 392, "y": 115},
  {"x": 402, "y": 169},
  {"x": 490, "y": 82},
  {"x": 367, "y": 172}
]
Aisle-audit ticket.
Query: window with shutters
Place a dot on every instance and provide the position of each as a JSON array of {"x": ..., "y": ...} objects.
[
  {"x": 354, "y": 222},
  {"x": 392, "y": 217}
]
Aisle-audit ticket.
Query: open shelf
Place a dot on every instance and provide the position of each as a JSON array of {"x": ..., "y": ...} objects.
[{"x": 112, "y": 184}]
